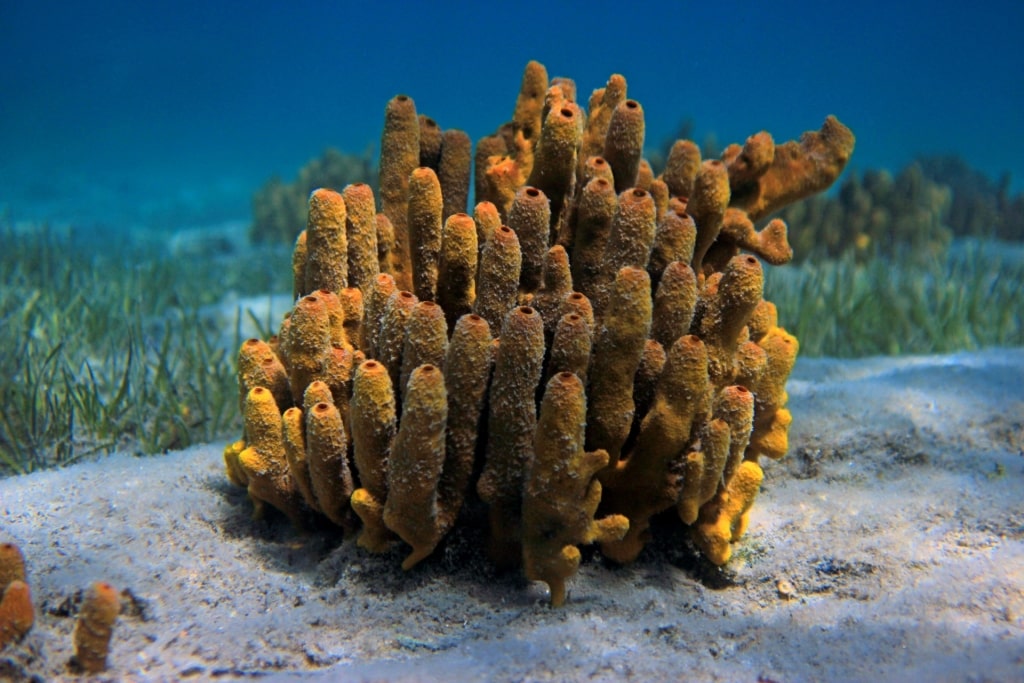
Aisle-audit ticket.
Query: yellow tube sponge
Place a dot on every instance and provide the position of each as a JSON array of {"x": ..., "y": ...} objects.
[
  {"x": 595, "y": 210},
  {"x": 426, "y": 341},
  {"x": 578, "y": 303},
  {"x": 353, "y": 312},
  {"x": 361, "y": 231},
  {"x": 294, "y": 431},
  {"x": 673, "y": 241},
  {"x": 624, "y": 143},
  {"x": 749, "y": 162},
  {"x": 12, "y": 565},
  {"x": 702, "y": 470},
  {"x": 725, "y": 518},
  {"x": 392, "y": 334},
  {"x": 561, "y": 493},
  {"x": 327, "y": 455},
  {"x": 707, "y": 205},
  {"x": 326, "y": 243},
  {"x": 641, "y": 485},
  {"x": 595, "y": 167},
  {"x": 259, "y": 366},
  {"x": 504, "y": 177},
  {"x": 373, "y": 425},
  {"x": 797, "y": 170},
  {"x": 467, "y": 367},
  {"x": 588, "y": 319},
  {"x": 659, "y": 191},
  {"x": 234, "y": 470},
  {"x": 692, "y": 471},
  {"x": 95, "y": 626},
  {"x": 453, "y": 171},
  {"x": 488, "y": 148},
  {"x": 497, "y": 286},
  {"x": 335, "y": 315},
  {"x": 772, "y": 436},
  {"x": 337, "y": 375},
  {"x": 456, "y": 283},
  {"x": 571, "y": 346},
  {"x": 399, "y": 157},
  {"x": 762, "y": 320},
  {"x": 488, "y": 220},
  {"x": 529, "y": 217},
  {"x": 556, "y": 284},
  {"x": 735, "y": 406},
  {"x": 411, "y": 509},
  {"x": 602, "y": 105},
  {"x": 381, "y": 289},
  {"x": 652, "y": 364},
  {"x": 618, "y": 346},
  {"x": 431, "y": 139},
  {"x": 385, "y": 241},
  {"x": 425, "y": 222},
  {"x": 728, "y": 304},
  {"x": 629, "y": 243},
  {"x": 632, "y": 233},
  {"x": 308, "y": 342},
  {"x": 513, "y": 418},
  {"x": 530, "y": 103},
  {"x": 674, "y": 301},
  {"x": 771, "y": 243},
  {"x": 554, "y": 165},
  {"x": 681, "y": 168},
  {"x": 567, "y": 227},
  {"x": 16, "y": 611},
  {"x": 264, "y": 461},
  {"x": 299, "y": 255},
  {"x": 771, "y": 419}
]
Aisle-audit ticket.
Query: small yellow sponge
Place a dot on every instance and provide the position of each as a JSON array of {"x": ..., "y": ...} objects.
[
  {"x": 16, "y": 612},
  {"x": 95, "y": 625},
  {"x": 724, "y": 519}
]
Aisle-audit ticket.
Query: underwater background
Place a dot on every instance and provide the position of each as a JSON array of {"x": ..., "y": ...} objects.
[
  {"x": 156, "y": 164},
  {"x": 166, "y": 113}
]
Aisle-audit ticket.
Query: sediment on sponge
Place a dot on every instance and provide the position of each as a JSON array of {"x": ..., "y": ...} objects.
[{"x": 584, "y": 348}]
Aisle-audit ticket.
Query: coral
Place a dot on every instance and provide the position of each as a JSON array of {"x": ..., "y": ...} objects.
[
  {"x": 95, "y": 626},
  {"x": 16, "y": 611},
  {"x": 587, "y": 349}
]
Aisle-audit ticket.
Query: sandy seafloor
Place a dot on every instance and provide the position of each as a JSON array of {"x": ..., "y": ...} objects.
[{"x": 897, "y": 521}]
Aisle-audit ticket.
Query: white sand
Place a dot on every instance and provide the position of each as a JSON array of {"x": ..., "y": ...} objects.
[{"x": 897, "y": 518}]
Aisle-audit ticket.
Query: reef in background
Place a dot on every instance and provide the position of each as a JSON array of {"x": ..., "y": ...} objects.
[
  {"x": 874, "y": 215},
  {"x": 979, "y": 207},
  {"x": 590, "y": 348},
  {"x": 279, "y": 208},
  {"x": 915, "y": 215}
]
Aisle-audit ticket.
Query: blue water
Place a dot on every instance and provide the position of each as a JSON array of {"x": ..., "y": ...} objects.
[{"x": 174, "y": 112}]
